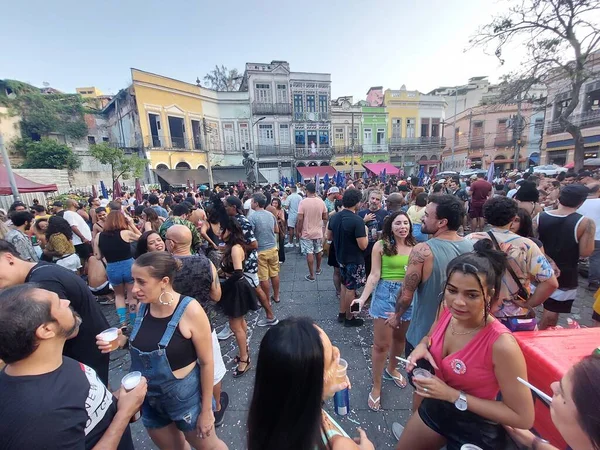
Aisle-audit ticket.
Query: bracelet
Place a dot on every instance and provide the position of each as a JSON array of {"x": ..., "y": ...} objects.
[{"x": 535, "y": 445}]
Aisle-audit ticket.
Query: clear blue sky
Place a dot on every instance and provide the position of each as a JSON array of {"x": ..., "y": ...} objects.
[{"x": 72, "y": 43}]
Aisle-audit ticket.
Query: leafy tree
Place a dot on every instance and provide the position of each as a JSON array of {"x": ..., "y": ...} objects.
[
  {"x": 223, "y": 79},
  {"x": 46, "y": 154},
  {"x": 124, "y": 166},
  {"x": 560, "y": 37}
]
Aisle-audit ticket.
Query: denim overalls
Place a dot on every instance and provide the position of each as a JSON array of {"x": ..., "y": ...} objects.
[{"x": 168, "y": 399}]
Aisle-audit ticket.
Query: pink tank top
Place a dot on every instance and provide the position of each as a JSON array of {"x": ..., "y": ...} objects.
[{"x": 471, "y": 369}]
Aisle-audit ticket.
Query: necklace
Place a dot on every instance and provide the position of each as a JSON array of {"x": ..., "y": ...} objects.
[{"x": 464, "y": 333}]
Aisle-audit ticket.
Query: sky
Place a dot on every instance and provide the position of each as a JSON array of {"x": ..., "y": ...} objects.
[{"x": 79, "y": 43}]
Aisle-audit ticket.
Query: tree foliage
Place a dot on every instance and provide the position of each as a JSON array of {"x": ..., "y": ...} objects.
[
  {"x": 46, "y": 154},
  {"x": 560, "y": 37},
  {"x": 223, "y": 79},
  {"x": 122, "y": 165}
]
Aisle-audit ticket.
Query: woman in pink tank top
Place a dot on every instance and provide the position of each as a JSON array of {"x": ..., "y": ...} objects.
[{"x": 474, "y": 357}]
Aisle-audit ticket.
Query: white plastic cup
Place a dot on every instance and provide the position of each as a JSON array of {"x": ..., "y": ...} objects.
[
  {"x": 111, "y": 336},
  {"x": 470, "y": 447},
  {"x": 341, "y": 369},
  {"x": 129, "y": 382},
  {"x": 421, "y": 373}
]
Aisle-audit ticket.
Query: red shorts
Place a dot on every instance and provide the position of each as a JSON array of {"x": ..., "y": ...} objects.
[{"x": 475, "y": 210}]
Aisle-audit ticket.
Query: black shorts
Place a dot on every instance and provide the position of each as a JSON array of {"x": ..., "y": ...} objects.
[
  {"x": 84, "y": 251},
  {"x": 461, "y": 427},
  {"x": 422, "y": 363},
  {"x": 558, "y": 307},
  {"x": 475, "y": 211},
  {"x": 102, "y": 290}
]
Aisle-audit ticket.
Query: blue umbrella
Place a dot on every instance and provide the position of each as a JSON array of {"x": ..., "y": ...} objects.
[
  {"x": 338, "y": 178},
  {"x": 384, "y": 174},
  {"x": 421, "y": 175},
  {"x": 103, "y": 189},
  {"x": 326, "y": 178}
]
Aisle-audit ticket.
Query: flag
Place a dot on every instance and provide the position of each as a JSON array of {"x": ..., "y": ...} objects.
[
  {"x": 421, "y": 175},
  {"x": 94, "y": 191},
  {"x": 138, "y": 191},
  {"x": 365, "y": 176},
  {"x": 490, "y": 173},
  {"x": 326, "y": 178},
  {"x": 317, "y": 183},
  {"x": 103, "y": 189},
  {"x": 384, "y": 173}
]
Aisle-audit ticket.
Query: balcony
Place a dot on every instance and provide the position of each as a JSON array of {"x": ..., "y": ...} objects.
[
  {"x": 375, "y": 148},
  {"x": 271, "y": 108},
  {"x": 174, "y": 143},
  {"x": 315, "y": 116},
  {"x": 313, "y": 153},
  {"x": 269, "y": 151},
  {"x": 418, "y": 142},
  {"x": 477, "y": 142},
  {"x": 347, "y": 150},
  {"x": 585, "y": 120},
  {"x": 504, "y": 140}
]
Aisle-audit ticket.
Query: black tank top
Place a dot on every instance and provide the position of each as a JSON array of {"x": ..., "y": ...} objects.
[
  {"x": 559, "y": 236},
  {"x": 180, "y": 351},
  {"x": 113, "y": 247}
]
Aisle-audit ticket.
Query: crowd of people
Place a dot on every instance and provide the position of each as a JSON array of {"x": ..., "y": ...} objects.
[{"x": 448, "y": 271}]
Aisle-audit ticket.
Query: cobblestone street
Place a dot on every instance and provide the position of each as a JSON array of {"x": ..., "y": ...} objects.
[{"x": 317, "y": 300}]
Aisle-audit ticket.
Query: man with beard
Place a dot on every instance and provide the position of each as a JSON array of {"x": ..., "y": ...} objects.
[
  {"x": 49, "y": 400},
  {"x": 373, "y": 218},
  {"x": 66, "y": 284},
  {"x": 18, "y": 237}
]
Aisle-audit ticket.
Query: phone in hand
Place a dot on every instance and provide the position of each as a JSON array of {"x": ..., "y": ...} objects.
[{"x": 355, "y": 307}]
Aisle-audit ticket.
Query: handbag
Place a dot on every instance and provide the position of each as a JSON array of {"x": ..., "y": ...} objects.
[{"x": 521, "y": 322}]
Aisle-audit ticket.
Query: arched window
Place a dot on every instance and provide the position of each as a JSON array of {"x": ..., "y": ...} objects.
[
  {"x": 162, "y": 167},
  {"x": 182, "y": 165}
]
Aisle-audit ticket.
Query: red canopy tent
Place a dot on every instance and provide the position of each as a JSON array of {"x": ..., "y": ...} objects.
[
  {"x": 377, "y": 168},
  {"x": 23, "y": 184}
]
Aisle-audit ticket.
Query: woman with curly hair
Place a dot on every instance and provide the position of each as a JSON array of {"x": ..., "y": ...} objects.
[
  {"x": 59, "y": 244},
  {"x": 389, "y": 259}
]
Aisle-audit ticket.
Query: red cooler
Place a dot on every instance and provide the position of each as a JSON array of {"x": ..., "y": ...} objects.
[{"x": 549, "y": 355}]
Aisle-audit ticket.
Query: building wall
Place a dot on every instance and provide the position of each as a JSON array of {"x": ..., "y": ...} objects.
[
  {"x": 402, "y": 104},
  {"x": 374, "y": 119},
  {"x": 10, "y": 129}
]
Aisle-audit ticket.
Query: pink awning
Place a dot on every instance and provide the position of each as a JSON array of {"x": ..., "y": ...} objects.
[
  {"x": 377, "y": 168},
  {"x": 313, "y": 171}
]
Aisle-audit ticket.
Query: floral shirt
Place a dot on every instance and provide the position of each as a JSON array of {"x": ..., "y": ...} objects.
[
  {"x": 251, "y": 262},
  {"x": 528, "y": 263},
  {"x": 175, "y": 220},
  {"x": 23, "y": 245}
]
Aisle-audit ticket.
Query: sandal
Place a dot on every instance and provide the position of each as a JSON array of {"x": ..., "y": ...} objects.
[
  {"x": 237, "y": 359},
  {"x": 274, "y": 300},
  {"x": 398, "y": 381},
  {"x": 237, "y": 372},
  {"x": 376, "y": 402}
]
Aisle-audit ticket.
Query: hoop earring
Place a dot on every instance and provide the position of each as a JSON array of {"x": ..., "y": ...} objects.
[{"x": 170, "y": 302}]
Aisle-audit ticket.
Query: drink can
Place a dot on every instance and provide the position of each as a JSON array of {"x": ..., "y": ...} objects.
[
  {"x": 341, "y": 402},
  {"x": 129, "y": 382}
]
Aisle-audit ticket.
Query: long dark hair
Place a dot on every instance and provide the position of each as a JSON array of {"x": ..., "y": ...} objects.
[
  {"x": 525, "y": 223},
  {"x": 285, "y": 411},
  {"x": 586, "y": 396},
  {"x": 142, "y": 243},
  {"x": 387, "y": 235},
  {"x": 236, "y": 237},
  {"x": 57, "y": 224},
  {"x": 152, "y": 217},
  {"x": 486, "y": 260}
]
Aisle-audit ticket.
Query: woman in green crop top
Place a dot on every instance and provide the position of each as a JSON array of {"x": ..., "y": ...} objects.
[
  {"x": 389, "y": 259},
  {"x": 295, "y": 373}
]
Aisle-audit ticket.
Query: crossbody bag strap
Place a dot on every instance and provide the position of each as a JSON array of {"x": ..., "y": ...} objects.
[{"x": 522, "y": 291}]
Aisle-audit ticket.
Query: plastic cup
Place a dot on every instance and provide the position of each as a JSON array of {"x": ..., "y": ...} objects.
[
  {"x": 340, "y": 373},
  {"x": 129, "y": 382},
  {"x": 112, "y": 337},
  {"x": 421, "y": 373},
  {"x": 470, "y": 447}
]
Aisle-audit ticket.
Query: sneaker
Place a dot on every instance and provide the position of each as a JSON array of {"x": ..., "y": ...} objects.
[
  {"x": 308, "y": 278},
  {"x": 268, "y": 322},
  {"x": 220, "y": 415},
  {"x": 319, "y": 272},
  {"x": 397, "y": 430},
  {"x": 354, "y": 322},
  {"x": 341, "y": 317},
  {"x": 289, "y": 245},
  {"x": 225, "y": 333}
]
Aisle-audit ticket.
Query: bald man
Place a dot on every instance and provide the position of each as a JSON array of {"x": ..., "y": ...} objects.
[
  {"x": 198, "y": 278},
  {"x": 394, "y": 202}
]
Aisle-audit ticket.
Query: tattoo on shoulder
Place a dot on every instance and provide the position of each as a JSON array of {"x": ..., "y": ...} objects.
[{"x": 419, "y": 255}]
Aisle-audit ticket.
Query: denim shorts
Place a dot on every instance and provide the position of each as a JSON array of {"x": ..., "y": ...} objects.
[
  {"x": 119, "y": 272},
  {"x": 181, "y": 404},
  {"x": 384, "y": 300}
]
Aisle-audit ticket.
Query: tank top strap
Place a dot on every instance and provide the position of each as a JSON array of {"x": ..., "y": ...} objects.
[
  {"x": 138, "y": 321},
  {"x": 172, "y": 325}
]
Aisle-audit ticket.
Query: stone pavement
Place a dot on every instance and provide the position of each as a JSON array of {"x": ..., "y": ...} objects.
[{"x": 316, "y": 300}]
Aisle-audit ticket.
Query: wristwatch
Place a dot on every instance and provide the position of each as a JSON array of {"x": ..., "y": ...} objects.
[{"x": 461, "y": 402}]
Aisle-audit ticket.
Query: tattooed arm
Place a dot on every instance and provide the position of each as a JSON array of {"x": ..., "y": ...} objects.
[
  {"x": 586, "y": 233},
  {"x": 414, "y": 274}
]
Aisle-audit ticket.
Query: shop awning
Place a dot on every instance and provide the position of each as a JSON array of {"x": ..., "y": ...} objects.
[
  {"x": 312, "y": 171},
  {"x": 23, "y": 184},
  {"x": 221, "y": 175},
  {"x": 232, "y": 174},
  {"x": 377, "y": 168},
  {"x": 348, "y": 168}
]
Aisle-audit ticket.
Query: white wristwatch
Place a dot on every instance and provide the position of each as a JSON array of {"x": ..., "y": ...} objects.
[{"x": 461, "y": 402}]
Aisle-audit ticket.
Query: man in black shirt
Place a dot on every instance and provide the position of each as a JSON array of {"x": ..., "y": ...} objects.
[
  {"x": 373, "y": 218},
  {"x": 349, "y": 235},
  {"x": 50, "y": 401},
  {"x": 67, "y": 285}
]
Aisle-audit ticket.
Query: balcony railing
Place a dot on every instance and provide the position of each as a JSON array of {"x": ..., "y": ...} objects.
[
  {"x": 477, "y": 142},
  {"x": 313, "y": 153},
  {"x": 174, "y": 143},
  {"x": 315, "y": 116},
  {"x": 271, "y": 108},
  {"x": 584, "y": 120},
  {"x": 263, "y": 151},
  {"x": 347, "y": 150},
  {"x": 503, "y": 141},
  {"x": 376, "y": 148},
  {"x": 422, "y": 142}
]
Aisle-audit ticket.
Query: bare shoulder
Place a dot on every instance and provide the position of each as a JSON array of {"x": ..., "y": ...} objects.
[
  {"x": 506, "y": 346},
  {"x": 420, "y": 253}
]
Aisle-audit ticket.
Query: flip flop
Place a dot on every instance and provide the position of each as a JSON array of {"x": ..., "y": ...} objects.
[
  {"x": 273, "y": 299},
  {"x": 398, "y": 381},
  {"x": 375, "y": 402}
]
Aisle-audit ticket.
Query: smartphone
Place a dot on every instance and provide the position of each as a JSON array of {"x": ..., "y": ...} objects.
[{"x": 355, "y": 307}]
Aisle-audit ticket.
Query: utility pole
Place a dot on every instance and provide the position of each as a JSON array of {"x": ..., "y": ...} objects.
[
  {"x": 517, "y": 133},
  {"x": 11, "y": 175},
  {"x": 352, "y": 147},
  {"x": 454, "y": 126},
  {"x": 211, "y": 182}
]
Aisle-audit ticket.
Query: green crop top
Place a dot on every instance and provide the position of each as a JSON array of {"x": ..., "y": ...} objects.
[{"x": 393, "y": 267}]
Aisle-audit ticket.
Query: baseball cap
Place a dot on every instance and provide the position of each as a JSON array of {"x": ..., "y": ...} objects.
[
  {"x": 234, "y": 201},
  {"x": 573, "y": 195},
  {"x": 57, "y": 203},
  {"x": 333, "y": 190}
]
